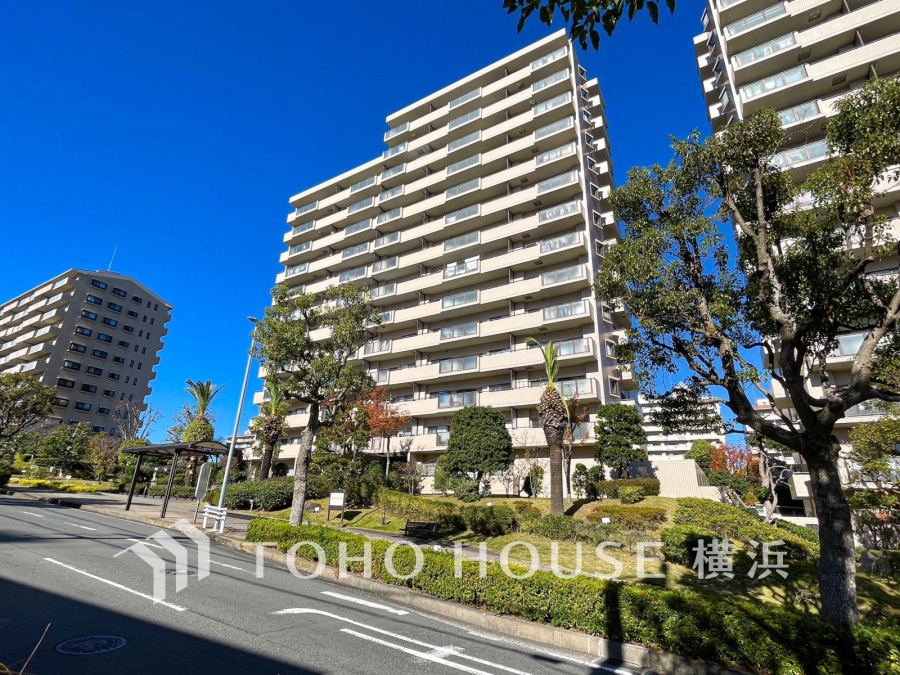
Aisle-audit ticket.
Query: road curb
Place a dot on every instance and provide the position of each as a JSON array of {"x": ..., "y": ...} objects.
[{"x": 631, "y": 655}]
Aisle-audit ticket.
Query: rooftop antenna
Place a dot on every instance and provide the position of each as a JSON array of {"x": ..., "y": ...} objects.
[{"x": 109, "y": 269}]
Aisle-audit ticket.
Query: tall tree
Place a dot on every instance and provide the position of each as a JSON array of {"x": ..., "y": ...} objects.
[
  {"x": 199, "y": 428},
  {"x": 66, "y": 448},
  {"x": 269, "y": 424},
  {"x": 136, "y": 421},
  {"x": 385, "y": 421},
  {"x": 583, "y": 16},
  {"x": 24, "y": 404},
  {"x": 620, "y": 437},
  {"x": 314, "y": 345},
  {"x": 479, "y": 442},
  {"x": 800, "y": 277},
  {"x": 554, "y": 417},
  {"x": 875, "y": 463},
  {"x": 104, "y": 451}
]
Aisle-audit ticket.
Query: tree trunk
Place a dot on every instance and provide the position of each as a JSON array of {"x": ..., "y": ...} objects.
[
  {"x": 837, "y": 559},
  {"x": 265, "y": 464},
  {"x": 556, "y": 482},
  {"x": 301, "y": 465},
  {"x": 568, "y": 463},
  {"x": 189, "y": 473},
  {"x": 387, "y": 457}
]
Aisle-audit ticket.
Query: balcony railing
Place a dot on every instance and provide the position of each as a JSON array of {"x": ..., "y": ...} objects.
[
  {"x": 377, "y": 347},
  {"x": 457, "y": 400},
  {"x": 549, "y": 58},
  {"x": 396, "y": 131},
  {"x": 802, "y": 154},
  {"x": 754, "y": 20},
  {"x": 382, "y": 291},
  {"x": 774, "y": 82},
  {"x": 559, "y": 242},
  {"x": 460, "y": 268},
  {"x": 385, "y": 264},
  {"x": 386, "y": 239}
]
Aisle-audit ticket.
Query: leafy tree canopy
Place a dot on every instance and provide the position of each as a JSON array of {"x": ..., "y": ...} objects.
[
  {"x": 479, "y": 442},
  {"x": 24, "y": 403},
  {"x": 67, "y": 448},
  {"x": 620, "y": 435}
]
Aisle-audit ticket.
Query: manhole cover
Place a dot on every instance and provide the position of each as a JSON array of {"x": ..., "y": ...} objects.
[{"x": 91, "y": 644}]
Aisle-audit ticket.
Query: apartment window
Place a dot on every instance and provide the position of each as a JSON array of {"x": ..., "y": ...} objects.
[
  {"x": 550, "y": 80},
  {"x": 602, "y": 249},
  {"x": 306, "y": 208},
  {"x": 462, "y": 119},
  {"x": 132, "y": 314},
  {"x": 94, "y": 299},
  {"x": 462, "y": 188},
  {"x": 89, "y": 388},
  {"x": 465, "y": 267},
  {"x": 134, "y": 383},
  {"x": 457, "y": 299},
  {"x": 71, "y": 365},
  {"x": 460, "y": 330},
  {"x": 118, "y": 359},
  {"x": 387, "y": 216},
  {"x": 606, "y": 313},
  {"x": 556, "y": 153},
  {"x": 468, "y": 96},
  {"x": 358, "y": 227},
  {"x": 65, "y": 383},
  {"x": 305, "y": 227},
  {"x": 387, "y": 239},
  {"x": 463, "y": 141},
  {"x": 848, "y": 345},
  {"x": 569, "y": 347},
  {"x": 99, "y": 354},
  {"x": 774, "y": 82},
  {"x": 145, "y": 318},
  {"x": 127, "y": 328},
  {"x": 575, "y": 308},
  {"x": 355, "y": 250},
  {"x": 553, "y": 127},
  {"x": 300, "y": 248},
  {"x": 131, "y": 365},
  {"x": 610, "y": 349},
  {"x": 462, "y": 214},
  {"x": 562, "y": 241},
  {"x": 113, "y": 376},
  {"x": 140, "y": 363},
  {"x": 361, "y": 204},
  {"x": 109, "y": 393},
  {"x": 549, "y": 58},
  {"x": 614, "y": 387},
  {"x": 552, "y": 103},
  {"x": 366, "y": 182},
  {"x": 463, "y": 164},
  {"x": 94, "y": 370},
  {"x": 123, "y": 343},
  {"x": 569, "y": 388},
  {"x": 83, "y": 331},
  {"x": 103, "y": 411},
  {"x": 91, "y": 316},
  {"x": 119, "y": 292},
  {"x": 765, "y": 49},
  {"x": 103, "y": 337},
  {"x": 562, "y": 274},
  {"x": 558, "y": 211},
  {"x": 396, "y": 150},
  {"x": 148, "y": 304},
  {"x": 114, "y": 307},
  {"x": 381, "y": 291},
  {"x": 294, "y": 270},
  {"x": 393, "y": 171},
  {"x": 138, "y": 299},
  {"x": 80, "y": 405},
  {"x": 458, "y": 399},
  {"x": 135, "y": 349},
  {"x": 110, "y": 322},
  {"x": 61, "y": 402},
  {"x": 376, "y": 346},
  {"x": 462, "y": 363},
  {"x": 75, "y": 347},
  {"x": 350, "y": 275},
  {"x": 98, "y": 284},
  {"x": 558, "y": 181},
  {"x": 127, "y": 379},
  {"x": 754, "y": 20},
  {"x": 798, "y": 113}
]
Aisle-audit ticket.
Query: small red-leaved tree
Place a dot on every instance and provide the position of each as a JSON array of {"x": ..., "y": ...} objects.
[{"x": 385, "y": 420}]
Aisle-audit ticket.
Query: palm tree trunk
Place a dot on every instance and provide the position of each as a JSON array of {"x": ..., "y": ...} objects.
[
  {"x": 556, "y": 482},
  {"x": 191, "y": 468},
  {"x": 301, "y": 465},
  {"x": 265, "y": 464}
]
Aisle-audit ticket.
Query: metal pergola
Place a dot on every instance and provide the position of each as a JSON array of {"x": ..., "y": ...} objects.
[{"x": 169, "y": 451}]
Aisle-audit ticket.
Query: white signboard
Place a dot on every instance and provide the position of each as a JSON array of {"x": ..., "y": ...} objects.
[{"x": 336, "y": 500}]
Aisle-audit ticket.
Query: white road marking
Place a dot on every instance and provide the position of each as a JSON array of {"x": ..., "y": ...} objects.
[
  {"x": 433, "y": 648},
  {"x": 496, "y": 638},
  {"x": 155, "y": 601},
  {"x": 359, "y": 601},
  {"x": 37, "y": 515},
  {"x": 428, "y": 656},
  {"x": 231, "y": 567},
  {"x": 146, "y": 543},
  {"x": 83, "y": 527}
]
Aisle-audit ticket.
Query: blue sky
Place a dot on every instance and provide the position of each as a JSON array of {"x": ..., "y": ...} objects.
[{"x": 178, "y": 131}]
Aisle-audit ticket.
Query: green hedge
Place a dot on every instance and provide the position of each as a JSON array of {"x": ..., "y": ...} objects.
[
  {"x": 746, "y": 632},
  {"x": 491, "y": 521},
  {"x": 680, "y": 542},
  {"x": 801, "y": 531},
  {"x": 730, "y": 522},
  {"x": 5, "y": 473},
  {"x": 564, "y": 528},
  {"x": 402, "y": 505},
  {"x": 179, "y": 491},
  {"x": 629, "y": 517},
  {"x": 609, "y": 489},
  {"x": 630, "y": 495}
]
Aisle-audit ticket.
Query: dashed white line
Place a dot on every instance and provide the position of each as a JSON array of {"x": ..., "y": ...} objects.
[
  {"x": 83, "y": 527},
  {"x": 495, "y": 638},
  {"x": 366, "y": 603},
  {"x": 37, "y": 515},
  {"x": 114, "y": 584},
  {"x": 231, "y": 567},
  {"x": 428, "y": 656}
]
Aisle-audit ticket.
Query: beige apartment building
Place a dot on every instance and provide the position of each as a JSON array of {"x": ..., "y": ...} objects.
[
  {"x": 674, "y": 445},
  {"x": 94, "y": 336},
  {"x": 483, "y": 222},
  {"x": 799, "y": 57}
]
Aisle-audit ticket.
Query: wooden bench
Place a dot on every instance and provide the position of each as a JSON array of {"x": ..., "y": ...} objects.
[
  {"x": 416, "y": 528},
  {"x": 215, "y": 514}
]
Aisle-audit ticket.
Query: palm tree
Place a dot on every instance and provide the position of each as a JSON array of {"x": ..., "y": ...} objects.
[
  {"x": 270, "y": 423},
  {"x": 199, "y": 428},
  {"x": 554, "y": 415}
]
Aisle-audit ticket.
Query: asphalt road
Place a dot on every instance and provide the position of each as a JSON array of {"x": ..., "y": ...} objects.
[{"x": 59, "y": 566}]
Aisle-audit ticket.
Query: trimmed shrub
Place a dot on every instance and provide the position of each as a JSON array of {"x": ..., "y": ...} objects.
[
  {"x": 564, "y": 528},
  {"x": 464, "y": 489},
  {"x": 729, "y": 522},
  {"x": 679, "y": 543},
  {"x": 630, "y": 495},
  {"x": 402, "y": 505},
  {"x": 629, "y": 517},
  {"x": 753, "y": 635},
  {"x": 178, "y": 491},
  {"x": 609, "y": 489},
  {"x": 491, "y": 521},
  {"x": 523, "y": 508},
  {"x": 5, "y": 473},
  {"x": 801, "y": 531},
  {"x": 273, "y": 494}
]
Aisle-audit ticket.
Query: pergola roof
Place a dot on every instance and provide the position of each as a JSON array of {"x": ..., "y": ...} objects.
[{"x": 169, "y": 450}]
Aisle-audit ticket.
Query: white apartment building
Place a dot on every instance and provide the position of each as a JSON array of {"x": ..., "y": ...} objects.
[
  {"x": 483, "y": 221},
  {"x": 661, "y": 445},
  {"x": 799, "y": 57},
  {"x": 94, "y": 336}
]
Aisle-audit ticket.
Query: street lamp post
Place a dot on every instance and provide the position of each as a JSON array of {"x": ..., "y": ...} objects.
[{"x": 237, "y": 420}]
